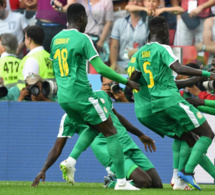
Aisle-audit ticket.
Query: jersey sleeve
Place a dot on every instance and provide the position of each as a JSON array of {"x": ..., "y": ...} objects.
[
  {"x": 168, "y": 57},
  {"x": 136, "y": 63},
  {"x": 89, "y": 50}
]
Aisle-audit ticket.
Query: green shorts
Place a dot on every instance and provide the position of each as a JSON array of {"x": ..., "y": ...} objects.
[
  {"x": 91, "y": 111},
  {"x": 175, "y": 120},
  {"x": 68, "y": 129},
  {"x": 132, "y": 159}
]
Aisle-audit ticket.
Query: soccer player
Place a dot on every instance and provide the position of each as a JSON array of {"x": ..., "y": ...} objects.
[
  {"x": 137, "y": 166},
  {"x": 181, "y": 151},
  {"x": 168, "y": 113},
  {"x": 70, "y": 50}
]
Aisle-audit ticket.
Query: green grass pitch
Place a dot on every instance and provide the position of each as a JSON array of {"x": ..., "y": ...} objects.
[{"x": 61, "y": 188}]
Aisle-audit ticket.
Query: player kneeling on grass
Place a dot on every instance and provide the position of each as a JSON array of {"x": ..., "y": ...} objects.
[{"x": 137, "y": 166}]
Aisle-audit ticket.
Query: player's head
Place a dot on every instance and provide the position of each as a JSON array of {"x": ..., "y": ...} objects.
[
  {"x": 8, "y": 43},
  {"x": 159, "y": 30},
  {"x": 76, "y": 14},
  {"x": 35, "y": 34}
]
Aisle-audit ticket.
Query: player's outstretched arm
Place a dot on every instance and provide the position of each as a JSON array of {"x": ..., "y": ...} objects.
[
  {"x": 147, "y": 141},
  {"x": 185, "y": 70},
  {"x": 187, "y": 82},
  {"x": 107, "y": 72},
  {"x": 52, "y": 157}
]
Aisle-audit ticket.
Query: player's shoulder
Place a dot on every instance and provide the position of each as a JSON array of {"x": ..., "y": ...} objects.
[{"x": 100, "y": 93}]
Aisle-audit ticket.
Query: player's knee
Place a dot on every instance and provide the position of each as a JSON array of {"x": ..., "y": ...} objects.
[
  {"x": 157, "y": 184},
  {"x": 143, "y": 183}
]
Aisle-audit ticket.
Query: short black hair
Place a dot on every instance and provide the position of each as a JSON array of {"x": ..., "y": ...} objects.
[
  {"x": 158, "y": 26},
  {"x": 36, "y": 33},
  {"x": 75, "y": 11}
]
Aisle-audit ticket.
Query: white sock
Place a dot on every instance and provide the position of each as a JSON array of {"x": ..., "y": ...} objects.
[
  {"x": 121, "y": 181},
  {"x": 71, "y": 161},
  {"x": 175, "y": 171}
]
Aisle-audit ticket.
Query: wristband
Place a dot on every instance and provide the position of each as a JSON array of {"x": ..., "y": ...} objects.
[{"x": 206, "y": 74}]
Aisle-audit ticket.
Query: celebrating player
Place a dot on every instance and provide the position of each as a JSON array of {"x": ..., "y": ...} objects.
[
  {"x": 167, "y": 113},
  {"x": 70, "y": 50}
]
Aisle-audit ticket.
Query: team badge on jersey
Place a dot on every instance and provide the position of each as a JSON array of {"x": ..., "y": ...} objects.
[
  {"x": 105, "y": 109},
  {"x": 199, "y": 115},
  {"x": 102, "y": 100}
]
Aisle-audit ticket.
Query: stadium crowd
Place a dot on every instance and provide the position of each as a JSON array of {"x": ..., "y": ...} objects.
[{"x": 117, "y": 29}]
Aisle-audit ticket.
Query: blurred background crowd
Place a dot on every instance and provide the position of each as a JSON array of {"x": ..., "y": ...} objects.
[{"x": 118, "y": 28}]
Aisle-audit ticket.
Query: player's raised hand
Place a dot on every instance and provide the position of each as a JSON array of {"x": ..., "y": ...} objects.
[
  {"x": 133, "y": 85},
  {"x": 41, "y": 175},
  {"x": 148, "y": 143}
]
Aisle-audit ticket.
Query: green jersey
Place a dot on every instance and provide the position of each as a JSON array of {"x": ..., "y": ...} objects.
[
  {"x": 70, "y": 51},
  {"x": 142, "y": 97},
  {"x": 154, "y": 61}
]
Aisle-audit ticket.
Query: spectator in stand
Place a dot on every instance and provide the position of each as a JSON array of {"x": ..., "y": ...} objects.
[
  {"x": 151, "y": 7},
  {"x": 208, "y": 43},
  {"x": 29, "y": 11},
  {"x": 100, "y": 17},
  {"x": 51, "y": 19},
  {"x": 127, "y": 34},
  {"x": 119, "y": 9},
  {"x": 37, "y": 60},
  {"x": 189, "y": 28},
  {"x": 13, "y": 23},
  {"x": 9, "y": 63}
]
